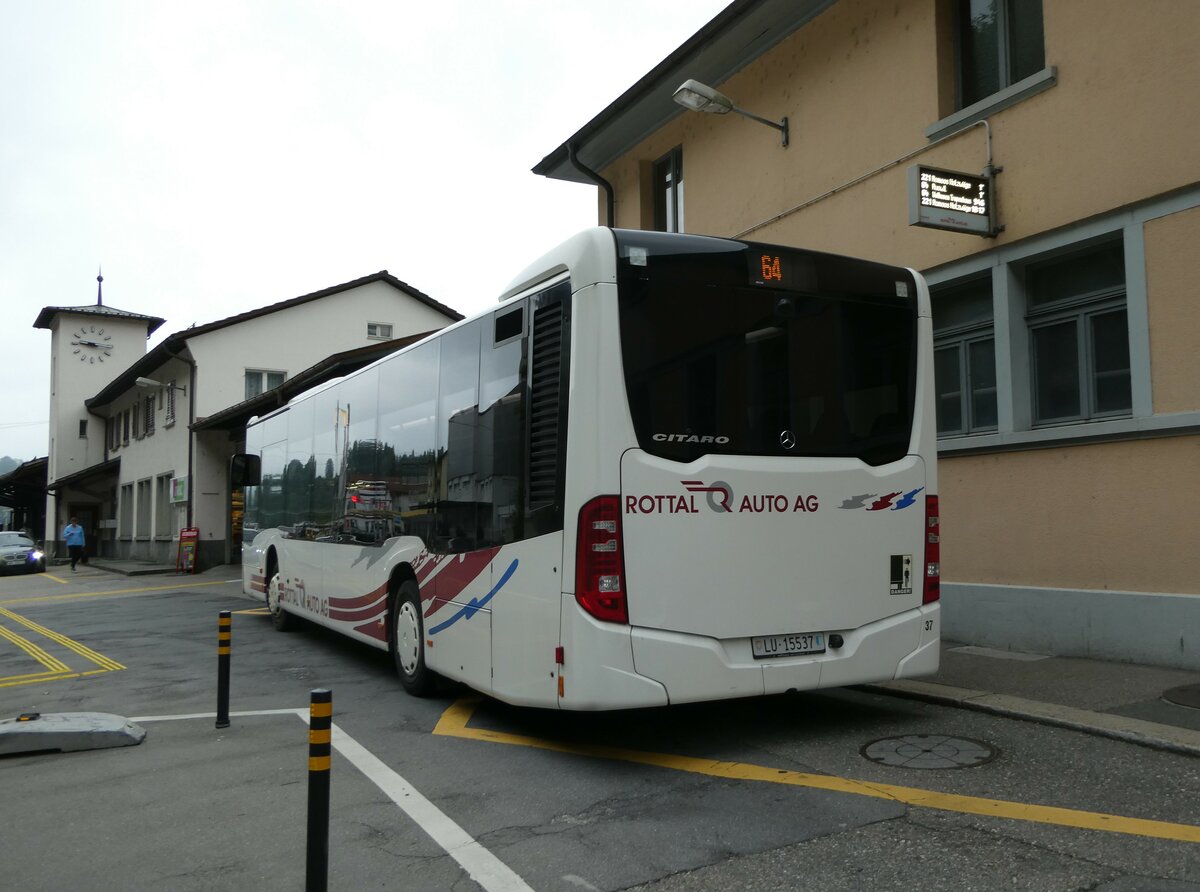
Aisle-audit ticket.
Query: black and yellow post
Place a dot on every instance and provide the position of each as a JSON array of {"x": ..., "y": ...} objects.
[
  {"x": 320, "y": 749},
  {"x": 224, "y": 646}
]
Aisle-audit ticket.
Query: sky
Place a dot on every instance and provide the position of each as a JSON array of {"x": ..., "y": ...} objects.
[{"x": 211, "y": 158}]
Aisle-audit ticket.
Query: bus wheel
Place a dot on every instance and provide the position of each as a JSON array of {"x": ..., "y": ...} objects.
[
  {"x": 280, "y": 618},
  {"x": 408, "y": 641}
]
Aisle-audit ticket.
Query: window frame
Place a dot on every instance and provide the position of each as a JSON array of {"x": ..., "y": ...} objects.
[
  {"x": 961, "y": 338},
  {"x": 672, "y": 197},
  {"x": 125, "y": 512},
  {"x": 1010, "y": 93},
  {"x": 1080, "y": 309},
  {"x": 383, "y": 331},
  {"x": 264, "y": 379},
  {"x": 1005, "y": 72},
  {"x": 1005, "y": 264}
]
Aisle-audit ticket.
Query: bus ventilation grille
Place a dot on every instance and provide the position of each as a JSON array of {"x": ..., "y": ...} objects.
[{"x": 545, "y": 402}]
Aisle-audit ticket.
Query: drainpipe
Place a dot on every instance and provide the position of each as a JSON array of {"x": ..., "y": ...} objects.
[
  {"x": 610, "y": 202},
  {"x": 191, "y": 364},
  {"x": 176, "y": 353}
]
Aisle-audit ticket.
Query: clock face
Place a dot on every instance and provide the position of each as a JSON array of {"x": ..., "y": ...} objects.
[{"x": 91, "y": 344}]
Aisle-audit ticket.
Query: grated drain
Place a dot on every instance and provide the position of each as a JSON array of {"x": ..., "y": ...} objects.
[{"x": 929, "y": 751}]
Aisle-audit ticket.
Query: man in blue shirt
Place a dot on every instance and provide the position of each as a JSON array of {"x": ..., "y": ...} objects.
[{"x": 73, "y": 536}]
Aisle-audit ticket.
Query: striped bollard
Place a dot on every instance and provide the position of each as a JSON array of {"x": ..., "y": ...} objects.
[
  {"x": 224, "y": 647},
  {"x": 320, "y": 748}
]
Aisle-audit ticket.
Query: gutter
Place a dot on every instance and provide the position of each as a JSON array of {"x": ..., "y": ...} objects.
[
  {"x": 176, "y": 352},
  {"x": 609, "y": 197}
]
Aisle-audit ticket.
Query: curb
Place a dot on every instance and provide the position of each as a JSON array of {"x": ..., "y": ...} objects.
[{"x": 1167, "y": 738}]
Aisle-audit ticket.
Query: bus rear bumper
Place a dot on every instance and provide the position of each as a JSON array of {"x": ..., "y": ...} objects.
[{"x": 694, "y": 668}]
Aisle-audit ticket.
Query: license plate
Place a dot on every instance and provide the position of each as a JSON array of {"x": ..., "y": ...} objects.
[{"x": 767, "y": 646}]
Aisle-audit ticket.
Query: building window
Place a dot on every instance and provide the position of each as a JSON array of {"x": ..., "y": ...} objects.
[
  {"x": 169, "y": 408},
  {"x": 260, "y": 380},
  {"x": 162, "y": 505},
  {"x": 136, "y": 421},
  {"x": 381, "y": 331},
  {"x": 143, "y": 508},
  {"x": 1000, "y": 42},
  {"x": 83, "y": 428},
  {"x": 148, "y": 415},
  {"x": 668, "y": 192},
  {"x": 125, "y": 427},
  {"x": 125, "y": 527},
  {"x": 1079, "y": 335},
  {"x": 964, "y": 357}
]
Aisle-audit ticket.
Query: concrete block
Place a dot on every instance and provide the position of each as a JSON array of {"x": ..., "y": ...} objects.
[{"x": 67, "y": 732}]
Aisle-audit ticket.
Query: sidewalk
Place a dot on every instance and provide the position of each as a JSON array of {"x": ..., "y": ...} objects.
[
  {"x": 1119, "y": 700},
  {"x": 147, "y": 568}
]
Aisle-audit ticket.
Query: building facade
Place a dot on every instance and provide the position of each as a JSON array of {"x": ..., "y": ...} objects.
[
  {"x": 1068, "y": 374},
  {"x": 149, "y": 466}
]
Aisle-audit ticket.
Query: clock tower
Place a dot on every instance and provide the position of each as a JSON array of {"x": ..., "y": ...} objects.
[{"x": 89, "y": 346}]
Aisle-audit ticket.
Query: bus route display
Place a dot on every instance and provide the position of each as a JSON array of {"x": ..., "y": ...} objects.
[{"x": 948, "y": 199}]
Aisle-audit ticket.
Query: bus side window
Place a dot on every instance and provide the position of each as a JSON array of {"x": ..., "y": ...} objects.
[
  {"x": 501, "y": 428},
  {"x": 458, "y": 431},
  {"x": 407, "y": 441}
]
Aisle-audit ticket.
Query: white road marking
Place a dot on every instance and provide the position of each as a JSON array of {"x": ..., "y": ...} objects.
[
  {"x": 481, "y": 865},
  {"x": 302, "y": 713}
]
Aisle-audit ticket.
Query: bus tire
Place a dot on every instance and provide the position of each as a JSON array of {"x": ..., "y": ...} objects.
[
  {"x": 280, "y": 618},
  {"x": 407, "y": 641}
]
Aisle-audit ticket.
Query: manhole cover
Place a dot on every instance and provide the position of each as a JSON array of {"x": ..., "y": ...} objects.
[
  {"x": 929, "y": 751},
  {"x": 1186, "y": 695}
]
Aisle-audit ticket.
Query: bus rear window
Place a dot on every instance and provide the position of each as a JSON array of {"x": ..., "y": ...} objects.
[{"x": 714, "y": 364}]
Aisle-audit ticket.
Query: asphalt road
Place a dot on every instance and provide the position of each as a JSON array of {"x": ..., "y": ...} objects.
[{"x": 459, "y": 792}]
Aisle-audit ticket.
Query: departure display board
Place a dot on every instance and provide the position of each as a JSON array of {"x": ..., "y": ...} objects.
[{"x": 948, "y": 199}]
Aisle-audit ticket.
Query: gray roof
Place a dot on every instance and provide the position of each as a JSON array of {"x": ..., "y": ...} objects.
[
  {"x": 175, "y": 343},
  {"x": 46, "y": 316}
]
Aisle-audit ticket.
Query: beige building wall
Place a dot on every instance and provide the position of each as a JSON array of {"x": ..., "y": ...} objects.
[
  {"x": 1108, "y": 148},
  {"x": 861, "y": 83},
  {"x": 1173, "y": 288},
  {"x": 1118, "y": 516}
]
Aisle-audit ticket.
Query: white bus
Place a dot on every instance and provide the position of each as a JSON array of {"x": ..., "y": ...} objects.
[{"x": 665, "y": 468}]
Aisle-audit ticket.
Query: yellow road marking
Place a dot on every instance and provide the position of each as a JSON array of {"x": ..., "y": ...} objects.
[
  {"x": 453, "y": 723},
  {"x": 256, "y": 611},
  {"x": 14, "y": 680},
  {"x": 81, "y": 649},
  {"x": 33, "y": 599},
  {"x": 55, "y": 578},
  {"x": 52, "y": 664},
  {"x": 57, "y": 669},
  {"x": 60, "y": 670}
]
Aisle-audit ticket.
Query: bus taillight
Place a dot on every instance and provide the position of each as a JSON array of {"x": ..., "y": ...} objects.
[
  {"x": 600, "y": 561},
  {"x": 933, "y": 551}
]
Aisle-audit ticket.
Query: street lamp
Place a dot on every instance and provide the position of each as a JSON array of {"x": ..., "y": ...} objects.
[
  {"x": 150, "y": 382},
  {"x": 703, "y": 98}
]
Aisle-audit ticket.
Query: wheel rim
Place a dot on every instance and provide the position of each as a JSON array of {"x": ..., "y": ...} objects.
[
  {"x": 408, "y": 637},
  {"x": 273, "y": 595}
]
